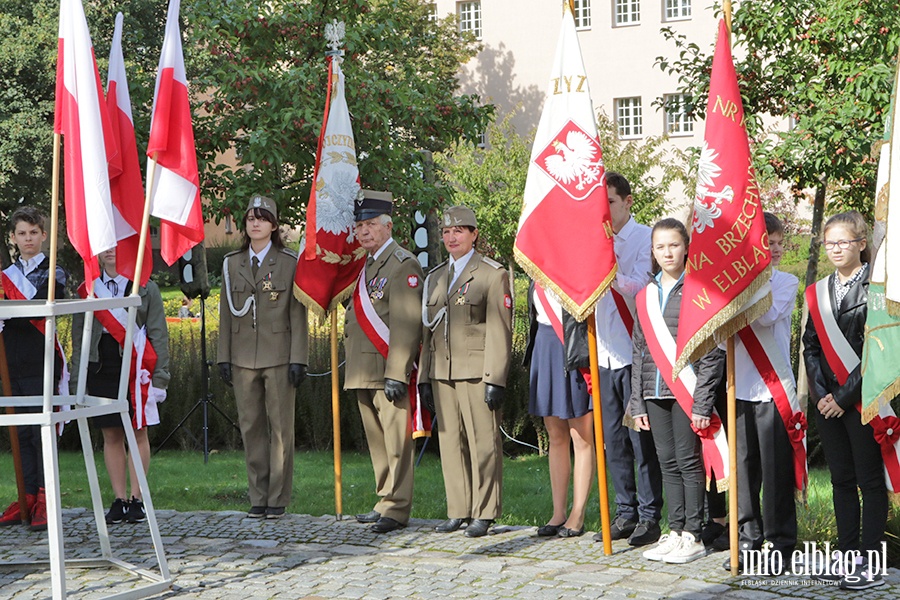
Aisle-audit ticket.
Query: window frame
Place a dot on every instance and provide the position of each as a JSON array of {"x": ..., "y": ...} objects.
[
  {"x": 684, "y": 121},
  {"x": 633, "y": 15},
  {"x": 635, "y": 117},
  {"x": 474, "y": 20},
  {"x": 582, "y": 14},
  {"x": 681, "y": 5}
]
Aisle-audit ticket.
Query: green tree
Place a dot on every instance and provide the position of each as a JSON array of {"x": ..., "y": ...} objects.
[
  {"x": 825, "y": 64},
  {"x": 266, "y": 92}
]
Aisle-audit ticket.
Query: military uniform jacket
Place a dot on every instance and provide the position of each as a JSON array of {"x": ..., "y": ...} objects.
[
  {"x": 394, "y": 282},
  {"x": 150, "y": 313},
  {"x": 281, "y": 335},
  {"x": 473, "y": 339}
]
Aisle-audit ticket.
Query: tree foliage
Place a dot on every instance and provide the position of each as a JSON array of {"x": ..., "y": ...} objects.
[
  {"x": 265, "y": 95},
  {"x": 825, "y": 64}
]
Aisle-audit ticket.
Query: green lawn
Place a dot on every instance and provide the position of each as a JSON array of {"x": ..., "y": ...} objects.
[{"x": 181, "y": 481}]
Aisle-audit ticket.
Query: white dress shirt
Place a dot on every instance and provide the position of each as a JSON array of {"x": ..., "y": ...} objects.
[
  {"x": 261, "y": 255},
  {"x": 632, "y": 246},
  {"x": 32, "y": 263},
  {"x": 748, "y": 383},
  {"x": 459, "y": 264}
]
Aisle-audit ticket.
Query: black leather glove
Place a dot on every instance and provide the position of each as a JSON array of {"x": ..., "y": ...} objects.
[
  {"x": 395, "y": 390},
  {"x": 296, "y": 373},
  {"x": 225, "y": 373},
  {"x": 493, "y": 395},
  {"x": 426, "y": 394}
]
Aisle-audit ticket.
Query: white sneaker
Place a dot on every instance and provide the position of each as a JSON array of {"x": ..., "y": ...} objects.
[
  {"x": 667, "y": 543},
  {"x": 690, "y": 549}
]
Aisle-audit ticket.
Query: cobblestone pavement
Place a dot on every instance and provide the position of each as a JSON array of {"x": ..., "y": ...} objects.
[{"x": 225, "y": 556}]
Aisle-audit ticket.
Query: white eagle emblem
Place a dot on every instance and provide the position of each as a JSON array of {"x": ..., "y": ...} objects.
[
  {"x": 573, "y": 160},
  {"x": 707, "y": 171},
  {"x": 334, "y": 203}
]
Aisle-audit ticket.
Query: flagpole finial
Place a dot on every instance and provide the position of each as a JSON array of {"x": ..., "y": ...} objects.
[
  {"x": 334, "y": 33},
  {"x": 568, "y": 6}
]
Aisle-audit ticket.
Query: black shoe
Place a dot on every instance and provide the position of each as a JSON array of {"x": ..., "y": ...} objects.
[
  {"x": 117, "y": 511},
  {"x": 723, "y": 542},
  {"x": 621, "y": 529},
  {"x": 386, "y": 524},
  {"x": 478, "y": 527},
  {"x": 450, "y": 525},
  {"x": 565, "y": 532},
  {"x": 862, "y": 579},
  {"x": 549, "y": 530},
  {"x": 646, "y": 532},
  {"x": 256, "y": 512},
  {"x": 274, "y": 512},
  {"x": 711, "y": 532},
  {"x": 727, "y": 564},
  {"x": 136, "y": 512},
  {"x": 370, "y": 517}
]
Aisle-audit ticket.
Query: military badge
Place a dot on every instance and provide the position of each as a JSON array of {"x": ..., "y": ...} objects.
[
  {"x": 412, "y": 281},
  {"x": 507, "y": 301},
  {"x": 461, "y": 301},
  {"x": 273, "y": 296},
  {"x": 267, "y": 286}
]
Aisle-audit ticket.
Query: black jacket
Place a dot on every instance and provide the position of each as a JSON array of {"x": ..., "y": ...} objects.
[
  {"x": 851, "y": 318},
  {"x": 647, "y": 381},
  {"x": 574, "y": 334}
]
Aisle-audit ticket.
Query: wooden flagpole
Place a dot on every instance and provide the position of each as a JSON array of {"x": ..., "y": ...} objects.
[
  {"x": 336, "y": 417},
  {"x": 598, "y": 436},
  {"x": 731, "y": 408}
]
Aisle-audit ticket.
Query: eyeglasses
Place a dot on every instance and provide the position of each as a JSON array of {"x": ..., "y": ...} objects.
[{"x": 842, "y": 244}]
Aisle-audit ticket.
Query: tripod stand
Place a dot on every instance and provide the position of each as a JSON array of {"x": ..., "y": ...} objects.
[{"x": 206, "y": 397}]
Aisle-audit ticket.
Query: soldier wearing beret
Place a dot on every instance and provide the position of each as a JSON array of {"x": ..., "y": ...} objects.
[
  {"x": 467, "y": 343},
  {"x": 263, "y": 352},
  {"x": 383, "y": 334}
]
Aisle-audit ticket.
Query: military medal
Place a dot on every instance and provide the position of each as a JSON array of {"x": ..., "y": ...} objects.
[
  {"x": 273, "y": 296},
  {"x": 378, "y": 292},
  {"x": 267, "y": 286},
  {"x": 461, "y": 300}
]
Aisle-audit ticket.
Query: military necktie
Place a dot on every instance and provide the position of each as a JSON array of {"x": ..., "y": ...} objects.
[
  {"x": 254, "y": 266},
  {"x": 450, "y": 275}
]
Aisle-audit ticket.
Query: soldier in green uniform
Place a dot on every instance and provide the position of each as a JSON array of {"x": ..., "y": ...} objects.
[
  {"x": 383, "y": 333},
  {"x": 263, "y": 352},
  {"x": 467, "y": 344}
]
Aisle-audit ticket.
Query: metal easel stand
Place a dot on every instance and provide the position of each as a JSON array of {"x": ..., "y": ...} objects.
[{"x": 85, "y": 407}]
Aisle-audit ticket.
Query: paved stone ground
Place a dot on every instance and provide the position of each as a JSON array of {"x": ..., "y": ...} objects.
[{"x": 223, "y": 555}]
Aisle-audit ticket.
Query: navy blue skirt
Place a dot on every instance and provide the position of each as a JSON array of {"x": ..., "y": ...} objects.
[{"x": 553, "y": 392}]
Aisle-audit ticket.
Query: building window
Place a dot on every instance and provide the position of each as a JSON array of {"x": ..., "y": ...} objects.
[
  {"x": 470, "y": 18},
  {"x": 628, "y": 12},
  {"x": 432, "y": 11},
  {"x": 629, "y": 117},
  {"x": 678, "y": 9},
  {"x": 582, "y": 14},
  {"x": 678, "y": 122}
]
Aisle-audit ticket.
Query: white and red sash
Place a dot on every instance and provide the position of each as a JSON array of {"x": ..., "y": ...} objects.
[
  {"x": 776, "y": 373},
  {"x": 377, "y": 332},
  {"x": 115, "y": 321},
  {"x": 555, "y": 320},
  {"x": 624, "y": 311},
  {"x": 17, "y": 287},
  {"x": 661, "y": 345},
  {"x": 842, "y": 359}
]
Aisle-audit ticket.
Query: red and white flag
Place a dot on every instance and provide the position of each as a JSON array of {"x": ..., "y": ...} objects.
[
  {"x": 332, "y": 257},
  {"x": 728, "y": 259},
  {"x": 565, "y": 237},
  {"x": 82, "y": 120},
  {"x": 125, "y": 178},
  {"x": 175, "y": 192}
]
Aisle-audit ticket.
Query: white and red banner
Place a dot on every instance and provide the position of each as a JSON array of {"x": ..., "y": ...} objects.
[
  {"x": 379, "y": 334},
  {"x": 332, "y": 257},
  {"x": 175, "y": 191},
  {"x": 81, "y": 118},
  {"x": 728, "y": 259},
  {"x": 125, "y": 171},
  {"x": 565, "y": 237},
  {"x": 144, "y": 397},
  {"x": 661, "y": 345}
]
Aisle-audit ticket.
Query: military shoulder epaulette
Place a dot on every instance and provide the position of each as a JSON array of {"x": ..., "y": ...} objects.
[
  {"x": 290, "y": 253},
  {"x": 402, "y": 254},
  {"x": 233, "y": 252},
  {"x": 491, "y": 262},
  {"x": 437, "y": 267}
]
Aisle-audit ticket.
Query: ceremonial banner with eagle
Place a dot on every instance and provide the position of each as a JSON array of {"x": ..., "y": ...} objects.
[
  {"x": 332, "y": 257},
  {"x": 728, "y": 261},
  {"x": 880, "y": 368},
  {"x": 565, "y": 237}
]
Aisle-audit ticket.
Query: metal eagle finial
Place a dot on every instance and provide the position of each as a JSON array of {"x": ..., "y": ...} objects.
[{"x": 334, "y": 33}]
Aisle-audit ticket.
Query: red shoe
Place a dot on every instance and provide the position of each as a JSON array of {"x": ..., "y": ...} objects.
[
  {"x": 39, "y": 512},
  {"x": 12, "y": 516}
]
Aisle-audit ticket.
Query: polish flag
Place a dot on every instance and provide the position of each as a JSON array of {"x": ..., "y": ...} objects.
[
  {"x": 82, "y": 119},
  {"x": 565, "y": 237},
  {"x": 125, "y": 175},
  {"x": 175, "y": 195}
]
